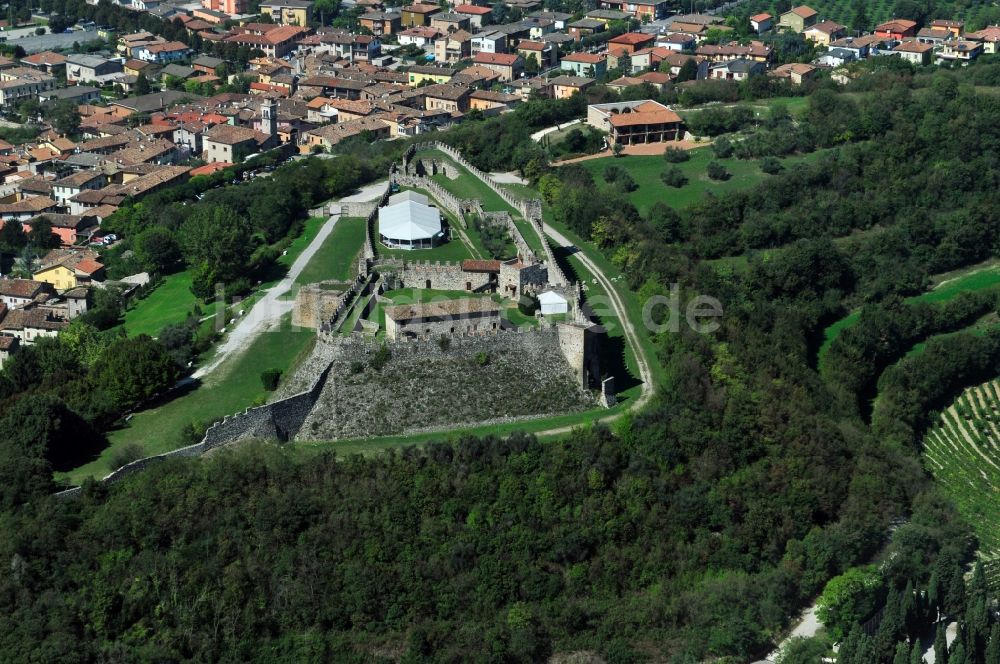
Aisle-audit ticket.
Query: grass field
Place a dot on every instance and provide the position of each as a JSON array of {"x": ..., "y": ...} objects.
[
  {"x": 172, "y": 301},
  {"x": 231, "y": 388},
  {"x": 963, "y": 454},
  {"x": 169, "y": 303},
  {"x": 646, "y": 171},
  {"x": 336, "y": 259},
  {"x": 977, "y": 277}
]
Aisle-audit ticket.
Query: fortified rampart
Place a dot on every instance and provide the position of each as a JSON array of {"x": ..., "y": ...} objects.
[{"x": 279, "y": 420}]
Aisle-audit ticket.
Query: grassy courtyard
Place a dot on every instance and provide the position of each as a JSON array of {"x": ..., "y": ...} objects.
[{"x": 337, "y": 257}]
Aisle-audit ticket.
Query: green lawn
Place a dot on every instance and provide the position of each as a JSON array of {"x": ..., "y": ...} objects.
[
  {"x": 169, "y": 303},
  {"x": 336, "y": 259},
  {"x": 310, "y": 228},
  {"x": 231, "y": 388},
  {"x": 646, "y": 171}
]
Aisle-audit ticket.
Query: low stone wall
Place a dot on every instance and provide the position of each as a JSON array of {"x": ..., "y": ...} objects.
[
  {"x": 357, "y": 209},
  {"x": 279, "y": 420}
]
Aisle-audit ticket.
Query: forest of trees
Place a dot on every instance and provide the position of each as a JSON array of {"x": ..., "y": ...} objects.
[{"x": 692, "y": 531}]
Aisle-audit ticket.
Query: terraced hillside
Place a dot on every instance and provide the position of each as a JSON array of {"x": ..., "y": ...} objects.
[{"x": 963, "y": 454}]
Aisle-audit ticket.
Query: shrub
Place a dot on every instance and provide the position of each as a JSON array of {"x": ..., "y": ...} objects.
[
  {"x": 482, "y": 358},
  {"x": 722, "y": 147},
  {"x": 270, "y": 378},
  {"x": 676, "y": 156},
  {"x": 357, "y": 367},
  {"x": 125, "y": 455},
  {"x": 771, "y": 165},
  {"x": 444, "y": 343},
  {"x": 674, "y": 177},
  {"x": 527, "y": 304},
  {"x": 381, "y": 357},
  {"x": 717, "y": 171}
]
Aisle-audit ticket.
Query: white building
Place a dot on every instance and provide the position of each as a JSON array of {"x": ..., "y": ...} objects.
[{"x": 408, "y": 221}]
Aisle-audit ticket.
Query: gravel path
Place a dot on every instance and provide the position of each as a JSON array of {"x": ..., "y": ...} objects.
[
  {"x": 510, "y": 177},
  {"x": 537, "y": 136},
  {"x": 268, "y": 310}
]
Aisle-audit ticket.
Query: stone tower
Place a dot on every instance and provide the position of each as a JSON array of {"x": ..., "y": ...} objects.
[{"x": 269, "y": 117}]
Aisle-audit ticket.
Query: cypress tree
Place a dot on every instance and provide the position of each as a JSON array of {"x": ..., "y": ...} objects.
[
  {"x": 917, "y": 654},
  {"x": 940, "y": 645},
  {"x": 993, "y": 649},
  {"x": 902, "y": 655},
  {"x": 849, "y": 647}
]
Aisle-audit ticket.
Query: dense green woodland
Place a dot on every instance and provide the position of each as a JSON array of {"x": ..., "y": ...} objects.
[{"x": 692, "y": 531}]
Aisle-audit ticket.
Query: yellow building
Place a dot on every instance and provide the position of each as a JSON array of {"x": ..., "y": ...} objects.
[
  {"x": 66, "y": 269},
  {"x": 288, "y": 12},
  {"x": 427, "y": 75}
]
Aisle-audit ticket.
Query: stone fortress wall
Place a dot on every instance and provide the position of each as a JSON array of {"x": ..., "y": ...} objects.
[{"x": 573, "y": 345}]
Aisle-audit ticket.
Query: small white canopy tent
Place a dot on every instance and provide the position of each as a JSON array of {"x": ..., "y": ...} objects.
[{"x": 553, "y": 303}]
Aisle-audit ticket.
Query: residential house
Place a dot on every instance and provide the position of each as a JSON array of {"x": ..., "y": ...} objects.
[
  {"x": 959, "y": 51},
  {"x": 453, "y": 47},
  {"x": 630, "y": 42},
  {"x": 677, "y": 41},
  {"x": 796, "y": 72},
  {"x": 78, "y": 94},
  {"x": 419, "y": 36},
  {"x": 761, "y": 23},
  {"x": 585, "y": 27},
  {"x": 736, "y": 70},
  {"x": 559, "y": 19},
  {"x": 446, "y": 97},
  {"x": 206, "y": 64},
  {"x": 288, "y": 12},
  {"x": 418, "y": 15},
  {"x": 71, "y": 185},
  {"x": 151, "y": 103},
  {"x": 226, "y": 6},
  {"x": 27, "y": 207},
  {"x": 897, "y": 29},
  {"x": 797, "y": 19},
  {"x": 9, "y": 345},
  {"x": 639, "y": 9},
  {"x": 989, "y": 37},
  {"x": 508, "y": 65},
  {"x": 489, "y": 102},
  {"x": 836, "y": 57},
  {"x": 917, "y": 52},
  {"x": 824, "y": 32},
  {"x": 636, "y": 122},
  {"x": 756, "y": 51},
  {"x": 489, "y": 42},
  {"x": 163, "y": 53},
  {"x": 329, "y": 135},
  {"x": 478, "y": 16},
  {"x": 25, "y": 326},
  {"x": 585, "y": 64},
  {"x": 608, "y": 16},
  {"x": 15, "y": 293},
  {"x": 70, "y": 228},
  {"x": 450, "y": 22},
  {"x": 564, "y": 87},
  {"x": 648, "y": 58},
  {"x": 233, "y": 144},
  {"x": 66, "y": 269},
  {"x": 933, "y": 35},
  {"x": 676, "y": 61},
  {"x": 83, "y": 68},
  {"x": 955, "y": 28},
  {"x": 274, "y": 40},
  {"x": 545, "y": 55},
  {"x": 381, "y": 24},
  {"x": 425, "y": 74},
  {"x": 864, "y": 47},
  {"x": 47, "y": 61}
]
